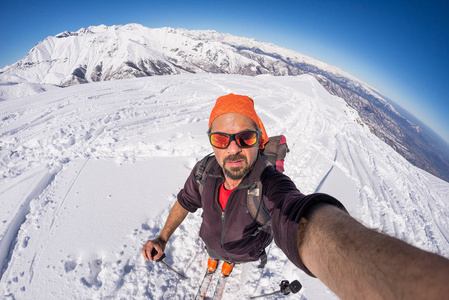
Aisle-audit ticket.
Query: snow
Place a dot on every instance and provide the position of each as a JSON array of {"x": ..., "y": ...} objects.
[
  {"x": 17, "y": 89},
  {"x": 90, "y": 172}
]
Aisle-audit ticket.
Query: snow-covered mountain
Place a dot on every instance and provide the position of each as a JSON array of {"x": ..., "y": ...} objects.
[
  {"x": 101, "y": 53},
  {"x": 88, "y": 173},
  {"x": 104, "y": 53}
]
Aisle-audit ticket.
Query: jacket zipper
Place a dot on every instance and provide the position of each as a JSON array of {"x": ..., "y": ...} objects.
[
  {"x": 223, "y": 233},
  {"x": 223, "y": 224}
]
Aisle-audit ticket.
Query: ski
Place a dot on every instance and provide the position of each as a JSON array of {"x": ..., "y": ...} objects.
[
  {"x": 204, "y": 286},
  {"x": 225, "y": 272},
  {"x": 220, "y": 287},
  {"x": 207, "y": 279}
]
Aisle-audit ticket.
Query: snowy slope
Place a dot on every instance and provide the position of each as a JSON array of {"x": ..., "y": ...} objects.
[
  {"x": 102, "y": 53},
  {"x": 89, "y": 173}
]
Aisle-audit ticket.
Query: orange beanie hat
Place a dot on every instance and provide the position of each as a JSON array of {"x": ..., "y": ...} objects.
[{"x": 241, "y": 105}]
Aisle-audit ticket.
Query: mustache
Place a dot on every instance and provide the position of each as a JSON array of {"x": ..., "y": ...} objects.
[{"x": 239, "y": 156}]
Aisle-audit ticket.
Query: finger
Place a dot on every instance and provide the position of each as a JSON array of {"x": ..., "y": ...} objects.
[{"x": 146, "y": 251}]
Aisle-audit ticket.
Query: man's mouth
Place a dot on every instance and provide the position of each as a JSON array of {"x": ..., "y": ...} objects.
[
  {"x": 235, "y": 166},
  {"x": 235, "y": 163}
]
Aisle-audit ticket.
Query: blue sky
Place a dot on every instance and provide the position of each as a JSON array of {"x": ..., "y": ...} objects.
[{"x": 399, "y": 47}]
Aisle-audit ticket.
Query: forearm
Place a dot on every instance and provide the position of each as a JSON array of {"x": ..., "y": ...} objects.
[
  {"x": 359, "y": 263},
  {"x": 174, "y": 219}
]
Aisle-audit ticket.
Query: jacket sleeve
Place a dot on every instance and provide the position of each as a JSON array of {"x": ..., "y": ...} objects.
[
  {"x": 189, "y": 197},
  {"x": 288, "y": 205}
]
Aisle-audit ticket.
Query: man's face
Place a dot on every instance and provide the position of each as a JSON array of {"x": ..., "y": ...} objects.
[{"x": 235, "y": 161}]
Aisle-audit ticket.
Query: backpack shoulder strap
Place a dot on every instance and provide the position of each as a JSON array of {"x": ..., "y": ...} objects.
[
  {"x": 201, "y": 171},
  {"x": 255, "y": 204}
]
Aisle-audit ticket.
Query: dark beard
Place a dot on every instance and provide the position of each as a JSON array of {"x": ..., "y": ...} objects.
[{"x": 236, "y": 173}]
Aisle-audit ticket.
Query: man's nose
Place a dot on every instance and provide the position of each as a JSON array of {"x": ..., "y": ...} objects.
[{"x": 233, "y": 148}]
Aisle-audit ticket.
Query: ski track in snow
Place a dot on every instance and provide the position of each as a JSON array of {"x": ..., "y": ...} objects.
[{"x": 90, "y": 172}]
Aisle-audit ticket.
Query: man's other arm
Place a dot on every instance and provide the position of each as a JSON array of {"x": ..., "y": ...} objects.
[{"x": 359, "y": 263}]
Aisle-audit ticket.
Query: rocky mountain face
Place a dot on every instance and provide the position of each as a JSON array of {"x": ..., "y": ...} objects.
[
  {"x": 117, "y": 52},
  {"x": 416, "y": 143}
]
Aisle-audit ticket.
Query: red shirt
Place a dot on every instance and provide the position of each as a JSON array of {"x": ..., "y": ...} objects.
[{"x": 224, "y": 196}]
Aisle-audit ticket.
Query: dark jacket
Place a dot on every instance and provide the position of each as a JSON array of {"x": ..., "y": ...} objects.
[{"x": 230, "y": 233}]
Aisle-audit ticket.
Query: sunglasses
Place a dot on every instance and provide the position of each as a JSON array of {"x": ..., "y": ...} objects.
[{"x": 245, "y": 139}]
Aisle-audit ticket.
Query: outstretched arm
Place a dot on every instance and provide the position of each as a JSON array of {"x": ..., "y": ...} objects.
[
  {"x": 174, "y": 219},
  {"x": 359, "y": 263}
]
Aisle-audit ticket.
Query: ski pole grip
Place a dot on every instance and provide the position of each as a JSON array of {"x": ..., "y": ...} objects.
[
  {"x": 287, "y": 287},
  {"x": 295, "y": 286},
  {"x": 154, "y": 253}
]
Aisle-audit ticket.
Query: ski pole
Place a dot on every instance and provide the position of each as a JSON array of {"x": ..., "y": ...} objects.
[
  {"x": 286, "y": 288},
  {"x": 154, "y": 252}
]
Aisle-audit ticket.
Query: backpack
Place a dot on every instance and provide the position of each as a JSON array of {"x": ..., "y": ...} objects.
[{"x": 274, "y": 153}]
